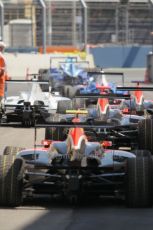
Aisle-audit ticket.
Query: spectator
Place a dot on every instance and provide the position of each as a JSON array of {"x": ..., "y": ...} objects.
[{"x": 3, "y": 75}]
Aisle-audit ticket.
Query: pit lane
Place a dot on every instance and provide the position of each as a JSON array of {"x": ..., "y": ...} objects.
[{"x": 47, "y": 214}]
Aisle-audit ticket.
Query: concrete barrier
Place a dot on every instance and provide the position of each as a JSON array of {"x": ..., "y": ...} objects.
[{"x": 130, "y": 56}]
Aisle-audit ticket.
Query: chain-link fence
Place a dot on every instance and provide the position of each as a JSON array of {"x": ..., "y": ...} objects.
[
  {"x": 46, "y": 23},
  {"x": 37, "y": 23}
]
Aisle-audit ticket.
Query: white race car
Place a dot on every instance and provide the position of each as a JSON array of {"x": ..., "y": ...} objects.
[{"x": 25, "y": 102}]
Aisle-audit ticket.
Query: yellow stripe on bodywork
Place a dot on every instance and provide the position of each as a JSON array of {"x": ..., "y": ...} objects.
[{"x": 76, "y": 111}]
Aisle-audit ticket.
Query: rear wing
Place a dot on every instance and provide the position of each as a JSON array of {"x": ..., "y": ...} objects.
[
  {"x": 27, "y": 81},
  {"x": 20, "y": 106},
  {"x": 101, "y": 72},
  {"x": 75, "y": 62},
  {"x": 90, "y": 71},
  {"x": 134, "y": 88},
  {"x": 56, "y": 59},
  {"x": 98, "y": 70},
  {"x": 104, "y": 127},
  {"x": 99, "y": 131},
  {"x": 90, "y": 124},
  {"x": 96, "y": 96}
]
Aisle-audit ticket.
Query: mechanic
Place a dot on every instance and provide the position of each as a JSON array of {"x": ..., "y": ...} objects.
[{"x": 3, "y": 75}]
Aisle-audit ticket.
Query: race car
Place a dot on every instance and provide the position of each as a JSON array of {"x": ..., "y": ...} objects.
[
  {"x": 76, "y": 169},
  {"x": 126, "y": 131},
  {"x": 138, "y": 103},
  {"x": 103, "y": 78},
  {"x": 31, "y": 104},
  {"x": 103, "y": 111},
  {"x": 110, "y": 106},
  {"x": 69, "y": 77},
  {"x": 99, "y": 78}
]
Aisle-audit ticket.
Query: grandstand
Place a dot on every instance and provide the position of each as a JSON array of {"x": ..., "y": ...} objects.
[{"x": 108, "y": 21}]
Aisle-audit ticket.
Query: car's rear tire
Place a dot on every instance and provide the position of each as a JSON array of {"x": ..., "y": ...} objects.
[
  {"x": 11, "y": 178},
  {"x": 78, "y": 103},
  {"x": 138, "y": 182},
  {"x": 12, "y": 150},
  {"x": 56, "y": 134},
  {"x": 145, "y": 134},
  {"x": 142, "y": 153},
  {"x": 64, "y": 105},
  {"x": 69, "y": 91}
]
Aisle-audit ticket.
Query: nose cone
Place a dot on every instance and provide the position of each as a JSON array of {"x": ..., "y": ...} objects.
[
  {"x": 76, "y": 135},
  {"x": 139, "y": 97},
  {"x": 103, "y": 104},
  {"x": 76, "y": 142}
]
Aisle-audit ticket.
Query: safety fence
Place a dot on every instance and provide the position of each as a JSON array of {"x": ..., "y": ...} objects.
[{"x": 71, "y": 25}]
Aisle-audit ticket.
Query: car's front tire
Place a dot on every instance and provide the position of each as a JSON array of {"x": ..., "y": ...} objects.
[{"x": 12, "y": 150}]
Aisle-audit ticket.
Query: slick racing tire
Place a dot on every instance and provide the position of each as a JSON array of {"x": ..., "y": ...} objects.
[
  {"x": 69, "y": 91},
  {"x": 142, "y": 153},
  {"x": 56, "y": 134},
  {"x": 139, "y": 182},
  {"x": 11, "y": 178},
  {"x": 145, "y": 134},
  {"x": 78, "y": 103},
  {"x": 12, "y": 150},
  {"x": 64, "y": 105}
]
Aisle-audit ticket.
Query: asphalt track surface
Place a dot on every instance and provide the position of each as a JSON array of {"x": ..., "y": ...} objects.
[{"x": 51, "y": 214}]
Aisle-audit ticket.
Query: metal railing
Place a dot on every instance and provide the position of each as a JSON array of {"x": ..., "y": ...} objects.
[{"x": 46, "y": 23}]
